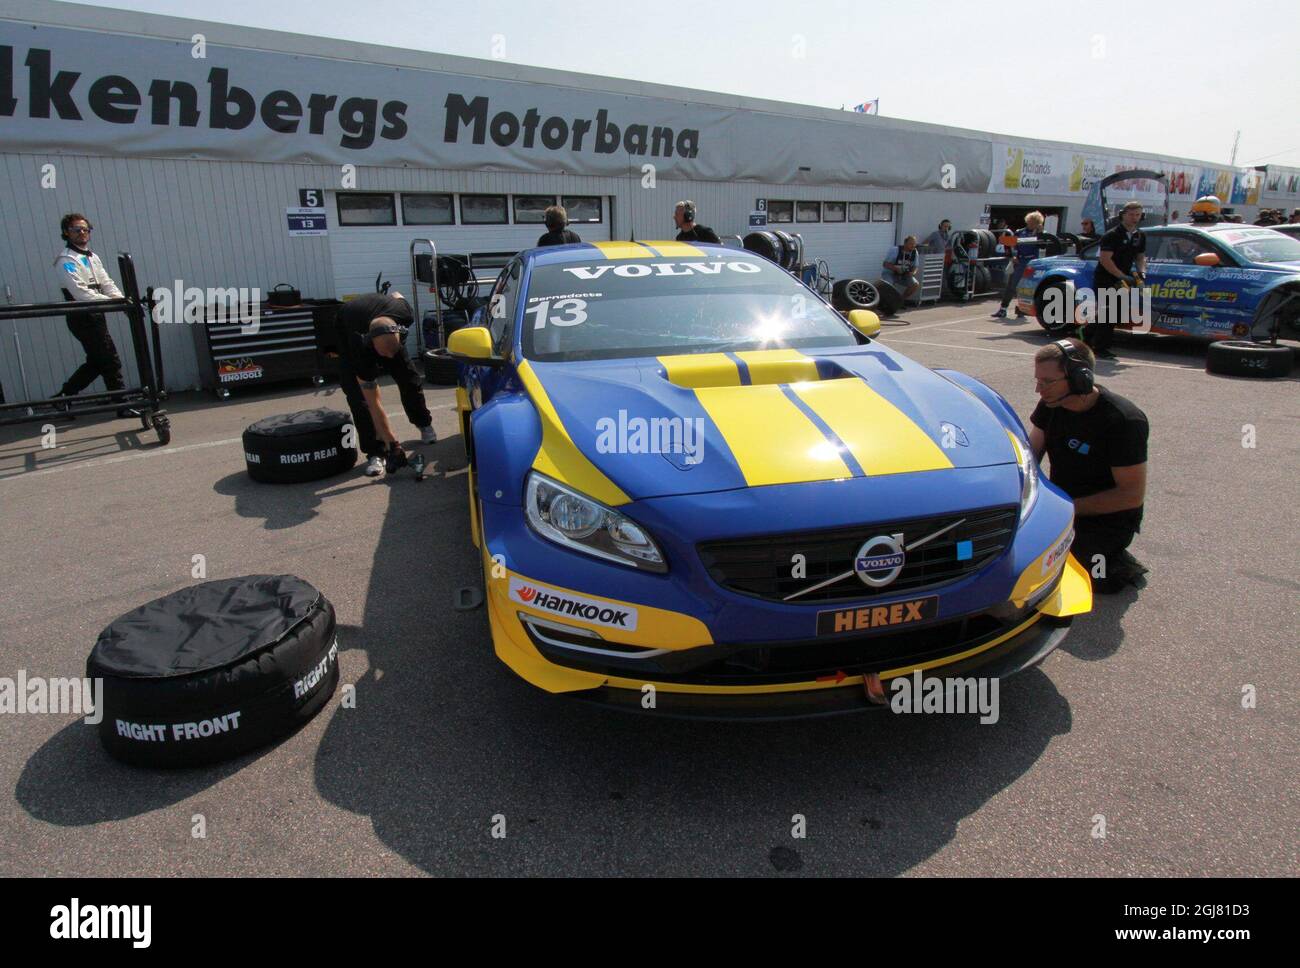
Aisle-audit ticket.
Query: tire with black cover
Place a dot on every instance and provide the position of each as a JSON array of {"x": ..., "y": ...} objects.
[
  {"x": 1239, "y": 358},
  {"x": 765, "y": 244},
  {"x": 294, "y": 447},
  {"x": 850, "y": 294},
  {"x": 214, "y": 670},
  {"x": 988, "y": 243},
  {"x": 891, "y": 299}
]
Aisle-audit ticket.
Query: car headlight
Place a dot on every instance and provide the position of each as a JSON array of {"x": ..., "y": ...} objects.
[
  {"x": 1028, "y": 473},
  {"x": 571, "y": 519}
]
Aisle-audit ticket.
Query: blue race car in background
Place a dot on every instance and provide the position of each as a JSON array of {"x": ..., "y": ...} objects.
[
  {"x": 691, "y": 479},
  {"x": 1218, "y": 282}
]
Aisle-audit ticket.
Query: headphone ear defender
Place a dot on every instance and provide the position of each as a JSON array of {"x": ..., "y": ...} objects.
[{"x": 1078, "y": 374}]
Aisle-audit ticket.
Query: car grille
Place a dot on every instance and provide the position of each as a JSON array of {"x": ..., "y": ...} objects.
[{"x": 762, "y": 566}]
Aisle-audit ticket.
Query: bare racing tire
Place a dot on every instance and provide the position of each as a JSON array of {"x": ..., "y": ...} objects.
[
  {"x": 214, "y": 670},
  {"x": 296, "y": 447},
  {"x": 789, "y": 249},
  {"x": 891, "y": 298},
  {"x": 765, "y": 244},
  {"x": 850, "y": 294},
  {"x": 1240, "y": 358},
  {"x": 440, "y": 369}
]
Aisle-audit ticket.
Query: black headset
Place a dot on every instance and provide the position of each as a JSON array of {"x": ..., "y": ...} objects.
[
  {"x": 1078, "y": 374},
  {"x": 368, "y": 338},
  {"x": 688, "y": 211}
]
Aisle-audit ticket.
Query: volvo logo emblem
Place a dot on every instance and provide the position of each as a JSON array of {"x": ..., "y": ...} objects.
[{"x": 880, "y": 560}]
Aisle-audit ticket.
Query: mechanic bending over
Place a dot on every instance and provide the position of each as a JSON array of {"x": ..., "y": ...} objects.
[
  {"x": 370, "y": 339},
  {"x": 1122, "y": 261},
  {"x": 1097, "y": 443},
  {"x": 687, "y": 229}
]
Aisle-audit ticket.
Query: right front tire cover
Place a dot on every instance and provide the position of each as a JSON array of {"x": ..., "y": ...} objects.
[{"x": 152, "y": 716}]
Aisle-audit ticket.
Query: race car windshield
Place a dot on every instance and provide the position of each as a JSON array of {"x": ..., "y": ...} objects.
[
  {"x": 1268, "y": 247},
  {"x": 667, "y": 306}
]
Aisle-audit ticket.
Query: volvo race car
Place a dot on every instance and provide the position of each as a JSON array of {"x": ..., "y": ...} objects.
[
  {"x": 1218, "y": 281},
  {"x": 696, "y": 488}
]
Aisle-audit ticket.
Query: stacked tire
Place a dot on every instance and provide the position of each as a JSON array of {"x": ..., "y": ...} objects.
[
  {"x": 305, "y": 446},
  {"x": 214, "y": 670}
]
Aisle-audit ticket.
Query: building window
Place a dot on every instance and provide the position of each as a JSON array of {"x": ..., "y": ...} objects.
[
  {"x": 808, "y": 211},
  {"x": 427, "y": 209},
  {"x": 882, "y": 212},
  {"x": 366, "y": 208},
  {"x": 586, "y": 209},
  {"x": 531, "y": 209},
  {"x": 779, "y": 212},
  {"x": 859, "y": 211},
  {"x": 832, "y": 211},
  {"x": 484, "y": 210}
]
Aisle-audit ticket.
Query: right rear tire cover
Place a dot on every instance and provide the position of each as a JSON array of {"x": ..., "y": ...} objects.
[{"x": 294, "y": 447}]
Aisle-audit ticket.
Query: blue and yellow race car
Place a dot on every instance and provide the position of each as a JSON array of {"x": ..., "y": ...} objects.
[
  {"x": 1218, "y": 281},
  {"x": 697, "y": 488}
]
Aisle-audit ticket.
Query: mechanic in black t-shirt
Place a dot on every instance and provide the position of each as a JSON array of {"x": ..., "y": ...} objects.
[
  {"x": 1097, "y": 443},
  {"x": 687, "y": 231},
  {"x": 370, "y": 340},
  {"x": 1121, "y": 259},
  {"x": 557, "y": 222}
]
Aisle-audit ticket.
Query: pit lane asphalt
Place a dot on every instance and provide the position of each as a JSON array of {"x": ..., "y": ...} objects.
[{"x": 1137, "y": 719}]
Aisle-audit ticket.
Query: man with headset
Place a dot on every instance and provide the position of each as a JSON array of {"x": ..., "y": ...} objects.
[
  {"x": 371, "y": 328},
  {"x": 687, "y": 231},
  {"x": 1097, "y": 443}
]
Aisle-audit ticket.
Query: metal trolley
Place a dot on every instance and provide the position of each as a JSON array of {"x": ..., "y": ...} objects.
[{"x": 145, "y": 400}]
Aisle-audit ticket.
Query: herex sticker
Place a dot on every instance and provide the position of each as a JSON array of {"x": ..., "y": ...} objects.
[{"x": 872, "y": 617}]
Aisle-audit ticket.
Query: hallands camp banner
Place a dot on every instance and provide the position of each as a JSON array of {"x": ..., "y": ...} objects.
[
  {"x": 83, "y": 92},
  {"x": 1020, "y": 169}
]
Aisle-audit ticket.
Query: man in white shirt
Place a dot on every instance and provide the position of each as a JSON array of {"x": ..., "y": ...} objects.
[{"x": 82, "y": 278}]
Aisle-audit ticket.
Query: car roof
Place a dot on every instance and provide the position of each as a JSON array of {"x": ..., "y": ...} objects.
[{"x": 599, "y": 251}]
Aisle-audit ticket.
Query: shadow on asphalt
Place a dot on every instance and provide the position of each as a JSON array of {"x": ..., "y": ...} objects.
[
  {"x": 444, "y": 737},
  {"x": 71, "y": 782}
]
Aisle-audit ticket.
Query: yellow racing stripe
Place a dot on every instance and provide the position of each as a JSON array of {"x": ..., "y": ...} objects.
[
  {"x": 882, "y": 438},
  {"x": 772, "y": 440},
  {"x": 778, "y": 366},
  {"x": 701, "y": 370},
  {"x": 558, "y": 456},
  {"x": 674, "y": 249},
  {"x": 623, "y": 250}
]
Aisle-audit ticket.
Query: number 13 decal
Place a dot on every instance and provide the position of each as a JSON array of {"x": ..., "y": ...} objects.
[{"x": 575, "y": 312}]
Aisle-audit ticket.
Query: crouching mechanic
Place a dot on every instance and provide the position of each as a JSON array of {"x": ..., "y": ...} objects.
[
  {"x": 1097, "y": 443},
  {"x": 372, "y": 327}
]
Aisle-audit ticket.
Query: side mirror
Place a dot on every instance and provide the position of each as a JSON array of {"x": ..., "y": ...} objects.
[
  {"x": 1207, "y": 259},
  {"x": 473, "y": 345},
  {"x": 864, "y": 321}
]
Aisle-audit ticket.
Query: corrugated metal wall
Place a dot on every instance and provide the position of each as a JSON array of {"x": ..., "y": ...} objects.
[{"x": 222, "y": 224}]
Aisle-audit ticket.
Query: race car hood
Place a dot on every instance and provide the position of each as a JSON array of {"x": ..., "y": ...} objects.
[{"x": 718, "y": 421}]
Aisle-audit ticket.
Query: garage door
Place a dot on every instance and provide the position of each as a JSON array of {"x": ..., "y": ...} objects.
[{"x": 478, "y": 223}]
